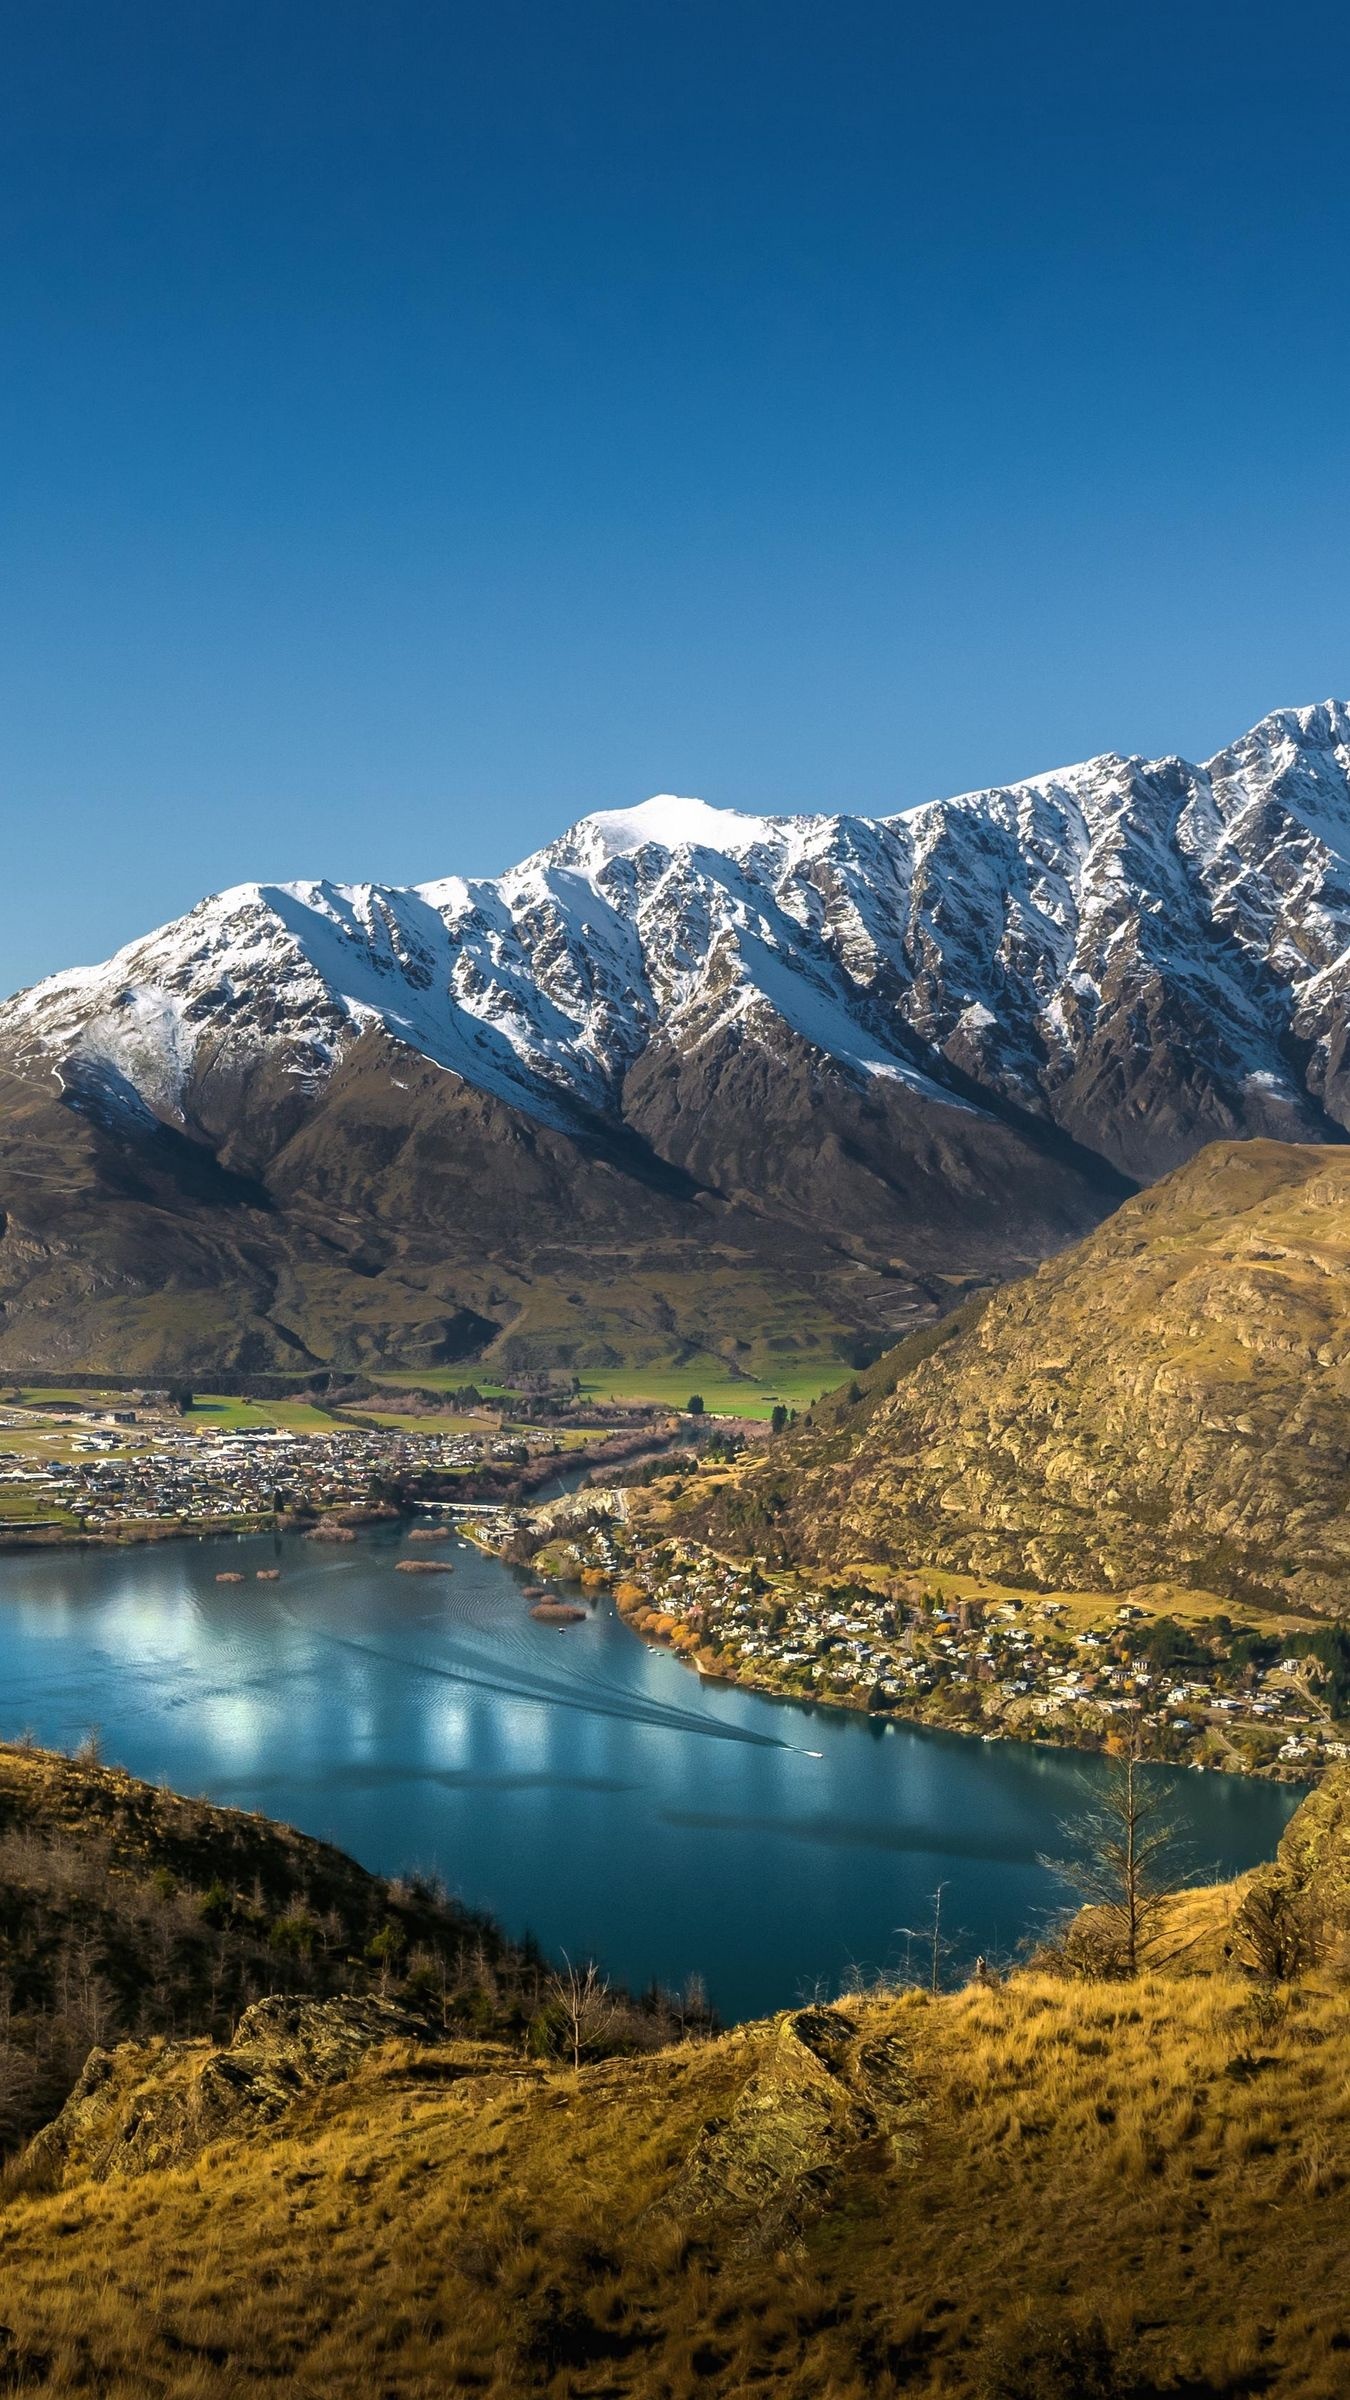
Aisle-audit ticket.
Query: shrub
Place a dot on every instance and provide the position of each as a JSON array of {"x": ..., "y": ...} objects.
[
  {"x": 1048, "y": 2354},
  {"x": 292, "y": 1936},
  {"x": 1277, "y": 1930},
  {"x": 216, "y": 1906}
]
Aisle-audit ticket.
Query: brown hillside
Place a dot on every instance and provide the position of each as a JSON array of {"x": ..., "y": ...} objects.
[
  {"x": 1046, "y": 2187},
  {"x": 1170, "y": 1398},
  {"x": 128, "y": 1910}
]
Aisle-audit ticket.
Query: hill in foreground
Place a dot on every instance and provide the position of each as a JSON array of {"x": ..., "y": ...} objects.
[
  {"x": 1037, "y": 2188},
  {"x": 129, "y": 1910},
  {"x": 1170, "y": 1399}
]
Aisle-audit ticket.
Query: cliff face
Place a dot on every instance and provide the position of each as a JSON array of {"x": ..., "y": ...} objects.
[{"x": 1169, "y": 1399}]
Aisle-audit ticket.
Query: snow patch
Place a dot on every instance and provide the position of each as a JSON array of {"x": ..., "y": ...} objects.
[{"x": 666, "y": 822}]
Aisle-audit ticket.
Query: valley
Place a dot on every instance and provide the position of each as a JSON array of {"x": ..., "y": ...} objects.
[{"x": 93, "y": 1466}]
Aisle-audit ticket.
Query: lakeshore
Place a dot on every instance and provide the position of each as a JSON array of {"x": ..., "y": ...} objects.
[
  {"x": 1168, "y": 1668},
  {"x": 1085, "y": 1671},
  {"x": 567, "y": 1779}
]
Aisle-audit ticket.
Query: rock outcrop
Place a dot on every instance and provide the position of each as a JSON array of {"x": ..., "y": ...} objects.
[
  {"x": 816, "y": 2092},
  {"x": 682, "y": 1077},
  {"x": 158, "y": 2104}
]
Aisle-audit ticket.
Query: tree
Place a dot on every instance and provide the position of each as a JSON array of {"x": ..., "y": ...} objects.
[
  {"x": 585, "y": 2005},
  {"x": 695, "y": 1408},
  {"x": 1126, "y": 1867},
  {"x": 932, "y": 1941},
  {"x": 385, "y": 1949},
  {"x": 778, "y": 1421}
]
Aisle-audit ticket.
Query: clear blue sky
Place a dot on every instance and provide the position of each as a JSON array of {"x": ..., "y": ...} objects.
[{"x": 422, "y": 423}]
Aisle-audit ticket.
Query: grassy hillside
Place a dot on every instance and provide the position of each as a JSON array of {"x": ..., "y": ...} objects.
[
  {"x": 128, "y": 1910},
  {"x": 1042, "y": 2188},
  {"x": 1170, "y": 1400}
]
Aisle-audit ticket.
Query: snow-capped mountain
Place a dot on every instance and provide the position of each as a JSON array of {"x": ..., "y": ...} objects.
[
  {"x": 1144, "y": 952},
  {"x": 929, "y": 1038}
]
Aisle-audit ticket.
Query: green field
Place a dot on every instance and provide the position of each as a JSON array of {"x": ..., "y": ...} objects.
[
  {"x": 209, "y": 1410},
  {"x": 795, "y": 1386},
  {"x": 440, "y": 1379},
  {"x": 442, "y": 1421},
  {"x": 26, "y": 1505},
  {"x": 217, "y": 1411}
]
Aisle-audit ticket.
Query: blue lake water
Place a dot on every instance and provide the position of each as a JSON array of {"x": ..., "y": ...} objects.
[{"x": 573, "y": 1782}]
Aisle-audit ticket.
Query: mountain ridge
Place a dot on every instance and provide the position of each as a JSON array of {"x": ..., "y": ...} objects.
[
  {"x": 872, "y": 1061},
  {"x": 543, "y": 984}
]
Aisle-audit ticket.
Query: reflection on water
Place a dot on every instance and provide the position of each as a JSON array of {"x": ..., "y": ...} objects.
[{"x": 569, "y": 1779}]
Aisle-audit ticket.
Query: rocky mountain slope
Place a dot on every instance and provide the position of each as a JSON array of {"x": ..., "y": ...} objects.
[
  {"x": 1169, "y": 1399},
  {"x": 828, "y": 2202},
  {"x": 845, "y": 1064}
]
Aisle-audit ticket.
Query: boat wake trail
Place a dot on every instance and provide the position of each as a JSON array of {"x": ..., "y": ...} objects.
[{"x": 597, "y": 1700}]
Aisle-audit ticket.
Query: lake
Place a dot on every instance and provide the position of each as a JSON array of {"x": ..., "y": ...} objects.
[{"x": 573, "y": 1782}]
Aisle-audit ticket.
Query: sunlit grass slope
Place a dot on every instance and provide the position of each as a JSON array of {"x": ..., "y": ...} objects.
[
  {"x": 1116, "y": 2188},
  {"x": 1167, "y": 1400}
]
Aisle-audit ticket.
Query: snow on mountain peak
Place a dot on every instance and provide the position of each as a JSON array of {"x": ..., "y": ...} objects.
[
  {"x": 667, "y": 822},
  {"x": 1033, "y": 945}
]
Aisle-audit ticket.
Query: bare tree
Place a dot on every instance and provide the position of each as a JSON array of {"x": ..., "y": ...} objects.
[
  {"x": 585, "y": 2003},
  {"x": 931, "y": 1939},
  {"x": 1126, "y": 1863}
]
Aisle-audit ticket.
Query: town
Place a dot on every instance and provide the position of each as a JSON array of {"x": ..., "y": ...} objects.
[
  {"x": 1089, "y": 1670},
  {"x": 134, "y": 1466},
  {"x": 1252, "y": 1695}
]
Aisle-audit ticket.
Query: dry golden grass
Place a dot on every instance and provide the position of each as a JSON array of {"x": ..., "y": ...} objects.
[
  {"x": 1158, "y": 1405},
  {"x": 1173, "y": 2154}
]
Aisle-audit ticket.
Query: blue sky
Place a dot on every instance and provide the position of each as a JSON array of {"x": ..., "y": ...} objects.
[{"x": 420, "y": 424}]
